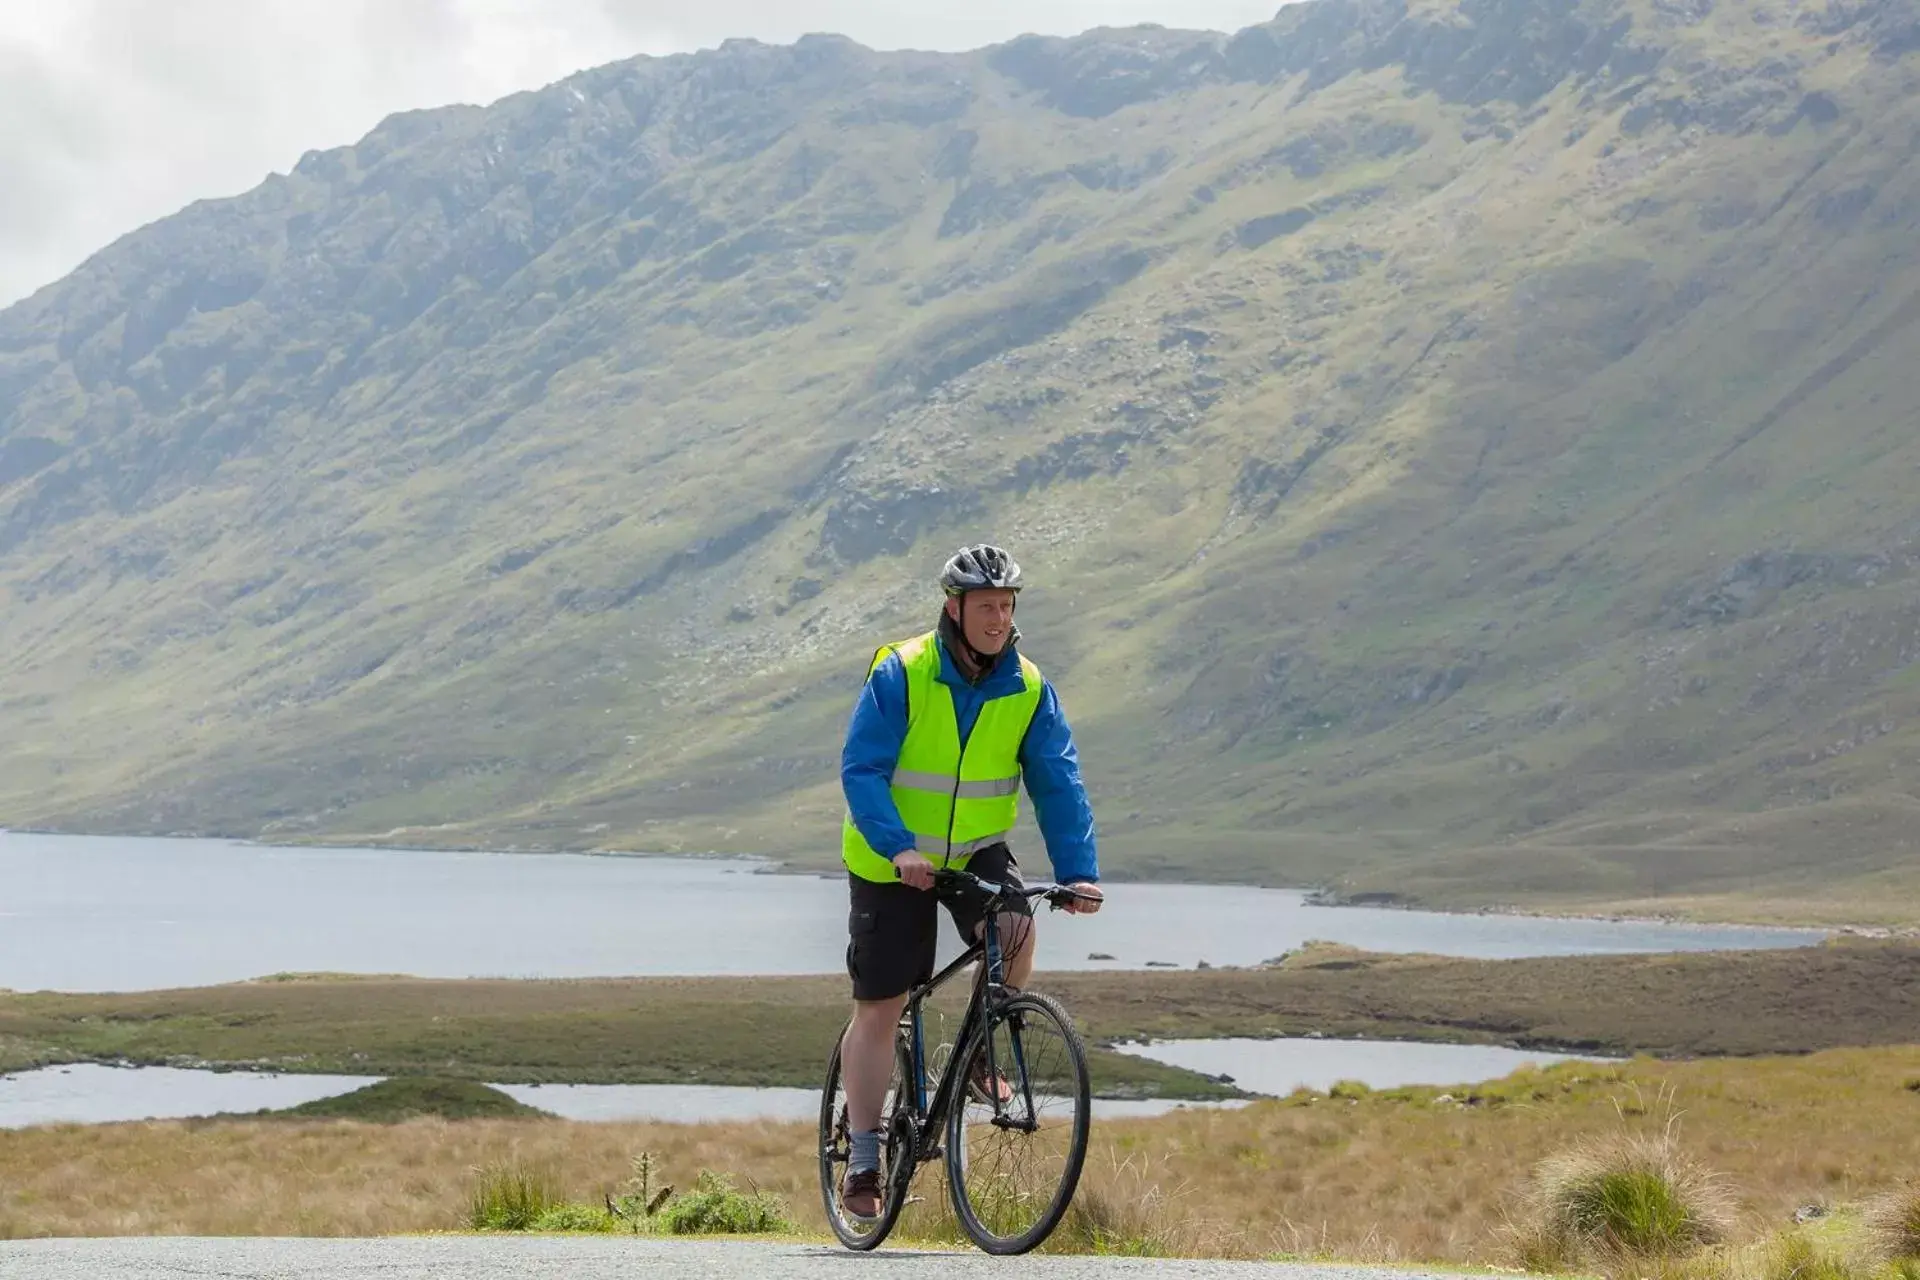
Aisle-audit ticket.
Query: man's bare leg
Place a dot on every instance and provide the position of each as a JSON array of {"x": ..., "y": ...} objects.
[
  {"x": 1017, "y": 943},
  {"x": 866, "y": 1059}
]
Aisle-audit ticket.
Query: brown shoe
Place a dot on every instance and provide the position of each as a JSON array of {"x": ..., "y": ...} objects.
[
  {"x": 984, "y": 1085},
  {"x": 860, "y": 1194}
]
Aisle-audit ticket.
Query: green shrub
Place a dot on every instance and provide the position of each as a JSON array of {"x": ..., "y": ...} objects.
[
  {"x": 1628, "y": 1196},
  {"x": 1349, "y": 1089},
  {"x": 510, "y": 1197},
  {"x": 577, "y": 1217},
  {"x": 714, "y": 1207}
]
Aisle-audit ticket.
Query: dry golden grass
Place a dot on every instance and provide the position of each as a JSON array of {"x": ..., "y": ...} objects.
[
  {"x": 1618, "y": 1201},
  {"x": 1894, "y": 1221},
  {"x": 1394, "y": 1176}
]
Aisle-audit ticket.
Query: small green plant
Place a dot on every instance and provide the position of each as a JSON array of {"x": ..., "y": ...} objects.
[
  {"x": 715, "y": 1207},
  {"x": 1893, "y": 1220},
  {"x": 576, "y": 1218},
  {"x": 1352, "y": 1090},
  {"x": 511, "y": 1197},
  {"x": 1626, "y": 1197},
  {"x": 638, "y": 1201}
]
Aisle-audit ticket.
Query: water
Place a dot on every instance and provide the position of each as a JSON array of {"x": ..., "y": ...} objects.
[
  {"x": 1280, "y": 1066},
  {"x": 95, "y": 1094},
  {"x": 86, "y": 913},
  {"x": 90, "y": 1094}
]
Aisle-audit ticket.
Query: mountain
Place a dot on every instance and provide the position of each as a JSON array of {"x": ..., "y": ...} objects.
[{"x": 1464, "y": 449}]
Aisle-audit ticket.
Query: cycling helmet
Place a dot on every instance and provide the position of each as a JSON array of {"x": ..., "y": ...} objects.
[{"x": 977, "y": 567}]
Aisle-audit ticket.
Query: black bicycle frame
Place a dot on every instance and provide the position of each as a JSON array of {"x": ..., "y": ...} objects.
[{"x": 930, "y": 1116}]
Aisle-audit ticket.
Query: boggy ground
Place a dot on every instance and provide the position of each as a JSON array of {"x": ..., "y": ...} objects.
[
  {"x": 1424, "y": 1174},
  {"x": 777, "y": 1030}
]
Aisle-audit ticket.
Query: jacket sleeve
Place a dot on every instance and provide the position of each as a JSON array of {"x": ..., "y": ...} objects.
[
  {"x": 874, "y": 735},
  {"x": 1051, "y": 767}
]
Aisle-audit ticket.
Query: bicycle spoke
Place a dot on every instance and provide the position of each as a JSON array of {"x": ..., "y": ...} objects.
[{"x": 1018, "y": 1160}]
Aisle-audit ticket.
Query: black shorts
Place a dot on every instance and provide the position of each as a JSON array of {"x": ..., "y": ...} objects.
[{"x": 893, "y": 928}]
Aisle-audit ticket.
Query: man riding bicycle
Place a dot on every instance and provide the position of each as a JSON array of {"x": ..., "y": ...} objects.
[{"x": 945, "y": 729}]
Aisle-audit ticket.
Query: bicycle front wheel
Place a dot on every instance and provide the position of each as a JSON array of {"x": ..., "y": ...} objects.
[{"x": 1017, "y": 1138}]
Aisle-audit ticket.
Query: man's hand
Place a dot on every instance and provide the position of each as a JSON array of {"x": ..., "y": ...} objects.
[
  {"x": 1090, "y": 903},
  {"x": 914, "y": 869}
]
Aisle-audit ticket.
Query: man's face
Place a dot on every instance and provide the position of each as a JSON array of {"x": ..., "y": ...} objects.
[{"x": 986, "y": 618}]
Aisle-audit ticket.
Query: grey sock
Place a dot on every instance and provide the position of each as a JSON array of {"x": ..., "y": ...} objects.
[{"x": 866, "y": 1152}]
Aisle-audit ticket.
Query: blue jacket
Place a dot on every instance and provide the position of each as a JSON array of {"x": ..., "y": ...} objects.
[{"x": 1048, "y": 762}]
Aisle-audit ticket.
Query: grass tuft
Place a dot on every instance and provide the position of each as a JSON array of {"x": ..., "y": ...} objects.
[
  {"x": 1620, "y": 1197},
  {"x": 1122, "y": 1208},
  {"x": 511, "y": 1197},
  {"x": 714, "y": 1207},
  {"x": 1893, "y": 1221},
  {"x": 1796, "y": 1255}
]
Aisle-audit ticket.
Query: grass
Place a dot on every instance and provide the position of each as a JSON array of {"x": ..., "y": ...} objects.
[
  {"x": 774, "y": 1030},
  {"x": 512, "y": 1197},
  {"x": 1620, "y": 1200},
  {"x": 1894, "y": 1220},
  {"x": 1395, "y": 1176}
]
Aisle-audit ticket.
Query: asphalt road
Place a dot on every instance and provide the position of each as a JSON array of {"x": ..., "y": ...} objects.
[{"x": 583, "y": 1258}]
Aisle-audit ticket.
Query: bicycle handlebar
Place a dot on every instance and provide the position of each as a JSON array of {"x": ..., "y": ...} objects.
[{"x": 1057, "y": 895}]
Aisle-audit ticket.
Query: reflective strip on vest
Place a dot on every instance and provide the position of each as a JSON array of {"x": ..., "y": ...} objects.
[
  {"x": 938, "y": 848},
  {"x": 950, "y": 785},
  {"x": 954, "y": 798}
]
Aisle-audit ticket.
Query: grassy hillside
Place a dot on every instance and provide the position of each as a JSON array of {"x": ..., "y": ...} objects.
[{"x": 1464, "y": 451}]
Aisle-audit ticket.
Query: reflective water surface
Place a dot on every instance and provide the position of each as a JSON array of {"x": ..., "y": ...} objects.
[
  {"x": 86, "y": 913},
  {"x": 94, "y": 1094},
  {"x": 1280, "y": 1066}
]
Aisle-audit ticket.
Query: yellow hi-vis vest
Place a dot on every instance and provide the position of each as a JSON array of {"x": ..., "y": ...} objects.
[{"x": 954, "y": 801}]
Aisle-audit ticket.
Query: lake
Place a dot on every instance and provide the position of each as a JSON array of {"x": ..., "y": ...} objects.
[
  {"x": 1280, "y": 1066},
  {"x": 91, "y": 1093},
  {"x": 95, "y": 913},
  {"x": 87, "y": 1093}
]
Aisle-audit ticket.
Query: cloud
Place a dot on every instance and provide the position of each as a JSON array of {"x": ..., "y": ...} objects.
[{"x": 114, "y": 113}]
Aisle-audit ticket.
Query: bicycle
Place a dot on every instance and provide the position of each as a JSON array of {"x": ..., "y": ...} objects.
[{"x": 1017, "y": 1055}]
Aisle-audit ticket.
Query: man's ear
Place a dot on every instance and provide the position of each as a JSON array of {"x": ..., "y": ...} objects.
[{"x": 953, "y": 608}]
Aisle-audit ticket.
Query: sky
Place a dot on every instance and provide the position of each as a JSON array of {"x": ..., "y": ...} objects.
[{"x": 114, "y": 113}]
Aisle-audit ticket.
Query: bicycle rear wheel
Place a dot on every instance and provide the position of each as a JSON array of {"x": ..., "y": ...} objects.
[
  {"x": 1013, "y": 1162},
  {"x": 896, "y": 1150}
]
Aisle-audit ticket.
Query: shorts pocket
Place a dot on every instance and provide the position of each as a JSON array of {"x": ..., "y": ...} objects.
[{"x": 862, "y": 926}]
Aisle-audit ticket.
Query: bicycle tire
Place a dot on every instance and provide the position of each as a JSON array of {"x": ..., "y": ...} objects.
[
  {"x": 894, "y": 1176},
  {"x": 963, "y": 1172}
]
